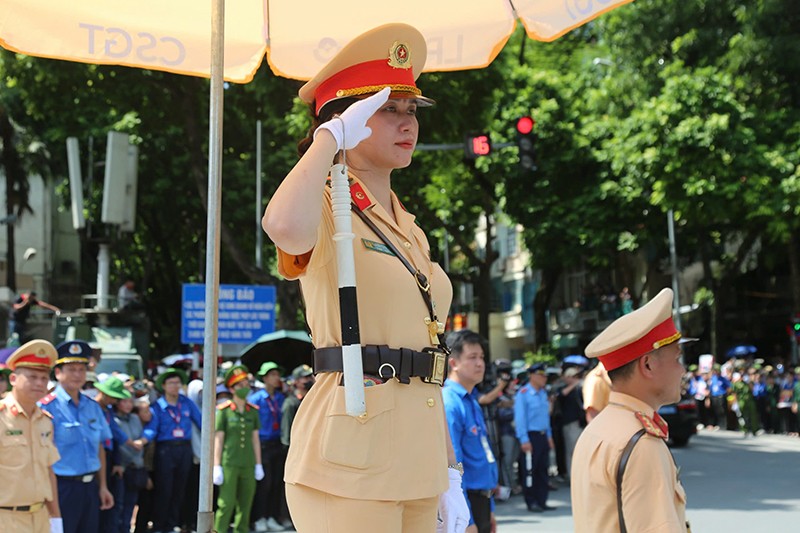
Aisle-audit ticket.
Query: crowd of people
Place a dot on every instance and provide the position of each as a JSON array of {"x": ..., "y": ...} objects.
[
  {"x": 124, "y": 453},
  {"x": 746, "y": 395}
]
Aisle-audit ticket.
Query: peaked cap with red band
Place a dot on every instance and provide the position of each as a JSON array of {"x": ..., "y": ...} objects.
[
  {"x": 235, "y": 375},
  {"x": 631, "y": 336},
  {"x": 392, "y": 55},
  {"x": 38, "y": 354}
]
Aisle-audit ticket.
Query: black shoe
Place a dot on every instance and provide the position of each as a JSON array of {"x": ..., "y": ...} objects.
[
  {"x": 552, "y": 487},
  {"x": 548, "y": 508},
  {"x": 535, "y": 508}
]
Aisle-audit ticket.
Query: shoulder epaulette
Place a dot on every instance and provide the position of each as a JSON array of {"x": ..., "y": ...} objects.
[
  {"x": 224, "y": 405},
  {"x": 47, "y": 399},
  {"x": 655, "y": 426},
  {"x": 524, "y": 388},
  {"x": 46, "y": 413}
]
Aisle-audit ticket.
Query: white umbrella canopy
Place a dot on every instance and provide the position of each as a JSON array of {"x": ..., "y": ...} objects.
[{"x": 298, "y": 37}]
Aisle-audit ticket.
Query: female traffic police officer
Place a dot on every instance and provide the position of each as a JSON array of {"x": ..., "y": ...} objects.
[
  {"x": 387, "y": 469},
  {"x": 237, "y": 453}
]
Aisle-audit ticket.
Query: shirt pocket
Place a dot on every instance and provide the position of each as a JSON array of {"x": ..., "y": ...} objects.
[
  {"x": 14, "y": 452},
  {"x": 363, "y": 443}
]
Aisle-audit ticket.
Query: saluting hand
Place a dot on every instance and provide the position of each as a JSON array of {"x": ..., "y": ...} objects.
[{"x": 350, "y": 128}]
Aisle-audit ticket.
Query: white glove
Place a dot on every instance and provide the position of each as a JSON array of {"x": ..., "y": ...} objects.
[
  {"x": 218, "y": 477},
  {"x": 56, "y": 525},
  {"x": 350, "y": 128},
  {"x": 259, "y": 472},
  {"x": 453, "y": 509}
]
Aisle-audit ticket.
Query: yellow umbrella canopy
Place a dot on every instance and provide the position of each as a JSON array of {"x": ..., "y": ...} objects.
[{"x": 299, "y": 37}]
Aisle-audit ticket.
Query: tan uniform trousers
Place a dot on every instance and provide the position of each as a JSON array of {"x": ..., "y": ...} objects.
[
  {"x": 319, "y": 512},
  {"x": 22, "y": 522}
]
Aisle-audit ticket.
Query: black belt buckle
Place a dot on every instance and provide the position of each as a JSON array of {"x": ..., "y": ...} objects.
[{"x": 438, "y": 366}]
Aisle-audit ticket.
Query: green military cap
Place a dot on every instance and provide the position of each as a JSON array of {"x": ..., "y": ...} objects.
[{"x": 235, "y": 374}]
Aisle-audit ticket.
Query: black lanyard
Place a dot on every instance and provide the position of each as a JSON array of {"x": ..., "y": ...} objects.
[{"x": 422, "y": 282}]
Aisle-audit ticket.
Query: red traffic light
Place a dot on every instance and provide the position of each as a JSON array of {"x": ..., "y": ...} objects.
[
  {"x": 477, "y": 146},
  {"x": 525, "y": 125}
]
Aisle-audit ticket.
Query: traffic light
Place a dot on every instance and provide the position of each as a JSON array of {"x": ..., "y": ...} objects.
[
  {"x": 526, "y": 142},
  {"x": 476, "y": 146}
]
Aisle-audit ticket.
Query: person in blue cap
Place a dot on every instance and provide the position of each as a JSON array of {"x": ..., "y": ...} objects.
[
  {"x": 532, "y": 421},
  {"x": 80, "y": 430},
  {"x": 269, "y": 498},
  {"x": 171, "y": 429}
]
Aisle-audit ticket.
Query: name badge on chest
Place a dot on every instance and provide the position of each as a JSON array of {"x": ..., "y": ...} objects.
[
  {"x": 177, "y": 433},
  {"x": 487, "y": 449}
]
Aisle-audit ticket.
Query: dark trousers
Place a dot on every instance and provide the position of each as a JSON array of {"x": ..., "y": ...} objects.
[
  {"x": 719, "y": 406},
  {"x": 109, "y": 519},
  {"x": 558, "y": 440},
  {"x": 269, "y": 500},
  {"x": 172, "y": 465},
  {"x": 80, "y": 505},
  {"x": 145, "y": 512},
  {"x": 129, "y": 500},
  {"x": 480, "y": 507},
  {"x": 534, "y": 481},
  {"x": 189, "y": 510}
]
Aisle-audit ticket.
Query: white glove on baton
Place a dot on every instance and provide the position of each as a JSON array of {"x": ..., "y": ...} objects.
[
  {"x": 350, "y": 128},
  {"x": 56, "y": 525},
  {"x": 453, "y": 509},
  {"x": 259, "y": 472},
  {"x": 218, "y": 477}
]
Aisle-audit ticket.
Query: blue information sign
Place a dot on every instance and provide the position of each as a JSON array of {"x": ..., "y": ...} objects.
[{"x": 245, "y": 313}]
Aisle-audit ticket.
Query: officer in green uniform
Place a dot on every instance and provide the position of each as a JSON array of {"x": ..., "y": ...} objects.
[{"x": 237, "y": 453}]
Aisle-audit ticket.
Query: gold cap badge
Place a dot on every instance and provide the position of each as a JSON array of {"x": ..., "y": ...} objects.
[{"x": 399, "y": 56}]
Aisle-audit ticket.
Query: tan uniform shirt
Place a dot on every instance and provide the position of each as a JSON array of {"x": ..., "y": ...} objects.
[
  {"x": 653, "y": 499},
  {"x": 398, "y": 451},
  {"x": 596, "y": 388},
  {"x": 26, "y": 453}
]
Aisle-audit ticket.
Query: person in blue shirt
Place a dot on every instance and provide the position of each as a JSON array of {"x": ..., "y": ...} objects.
[
  {"x": 109, "y": 392},
  {"x": 718, "y": 388},
  {"x": 532, "y": 421},
  {"x": 80, "y": 431},
  {"x": 468, "y": 428},
  {"x": 269, "y": 499},
  {"x": 171, "y": 429}
]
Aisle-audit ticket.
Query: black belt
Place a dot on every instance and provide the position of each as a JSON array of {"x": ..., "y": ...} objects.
[
  {"x": 25, "y": 508},
  {"x": 173, "y": 442},
  {"x": 485, "y": 493},
  {"x": 85, "y": 478},
  {"x": 401, "y": 363},
  {"x": 535, "y": 432}
]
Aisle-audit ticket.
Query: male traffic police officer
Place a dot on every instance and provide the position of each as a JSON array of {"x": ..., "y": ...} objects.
[
  {"x": 641, "y": 352},
  {"x": 532, "y": 421},
  {"x": 80, "y": 431},
  {"x": 29, "y": 492}
]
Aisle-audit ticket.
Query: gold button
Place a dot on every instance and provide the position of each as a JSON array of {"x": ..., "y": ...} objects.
[
  {"x": 407, "y": 244},
  {"x": 363, "y": 416},
  {"x": 431, "y": 402}
]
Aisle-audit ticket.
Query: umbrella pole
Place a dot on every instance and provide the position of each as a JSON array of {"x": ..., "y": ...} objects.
[
  {"x": 348, "y": 305},
  {"x": 205, "y": 508}
]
